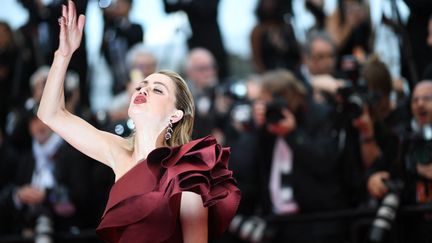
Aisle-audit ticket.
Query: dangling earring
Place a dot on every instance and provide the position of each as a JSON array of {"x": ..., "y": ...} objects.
[{"x": 169, "y": 131}]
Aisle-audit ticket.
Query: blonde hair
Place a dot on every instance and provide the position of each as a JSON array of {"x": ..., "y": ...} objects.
[{"x": 182, "y": 130}]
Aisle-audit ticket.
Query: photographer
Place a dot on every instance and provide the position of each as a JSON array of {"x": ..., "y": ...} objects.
[
  {"x": 366, "y": 119},
  {"x": 413, "y": 165},
  {"x": 298, "y": 160},
  {"x": 50, "y": 182},
  {"x": 417, "y": 163}
]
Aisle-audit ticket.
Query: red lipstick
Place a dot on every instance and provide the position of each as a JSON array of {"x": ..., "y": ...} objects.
[{"x": 140, "y": 99}]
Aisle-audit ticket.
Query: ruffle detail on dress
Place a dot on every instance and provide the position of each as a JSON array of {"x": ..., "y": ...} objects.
[{"x": 200, "y": 166}]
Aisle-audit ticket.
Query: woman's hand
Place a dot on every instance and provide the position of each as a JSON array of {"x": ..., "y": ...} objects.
[{"x": 71, "y": 30}]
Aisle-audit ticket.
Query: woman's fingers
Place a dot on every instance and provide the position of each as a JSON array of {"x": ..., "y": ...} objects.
[
  {"x": 81, "y": 21},
  {"x": 71, "y": 13},
  {"x": 64, "y": 12},
  {"x": 62, "y": 28}
]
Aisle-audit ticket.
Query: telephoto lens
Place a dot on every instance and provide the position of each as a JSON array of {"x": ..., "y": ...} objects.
[
  {"x": 386, "y": 213},
  {"x": 43, "y": 230}
]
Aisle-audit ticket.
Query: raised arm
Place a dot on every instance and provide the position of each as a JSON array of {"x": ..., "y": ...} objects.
[{"x": 94, "y": 143}]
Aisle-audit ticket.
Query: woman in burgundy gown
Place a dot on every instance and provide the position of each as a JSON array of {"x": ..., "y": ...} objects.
[{"x": 168, "y": 188}]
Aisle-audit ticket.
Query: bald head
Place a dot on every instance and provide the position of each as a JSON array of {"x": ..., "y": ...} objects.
[{"x": 201, "y": 68}]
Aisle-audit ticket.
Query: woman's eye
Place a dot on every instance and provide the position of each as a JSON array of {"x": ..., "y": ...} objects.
[
  {"x": 158, "y": 91},
  {"x": 138, "y": 88}
]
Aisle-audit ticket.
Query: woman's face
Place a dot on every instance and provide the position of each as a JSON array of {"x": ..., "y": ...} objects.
[{"x": 154, "y": 98}]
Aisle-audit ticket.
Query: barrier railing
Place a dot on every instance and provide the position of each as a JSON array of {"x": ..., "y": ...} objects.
[{"x": 352, "y": 215}]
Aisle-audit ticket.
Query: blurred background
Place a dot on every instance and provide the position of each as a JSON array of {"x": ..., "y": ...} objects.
[{"x": 326, "y": 105}]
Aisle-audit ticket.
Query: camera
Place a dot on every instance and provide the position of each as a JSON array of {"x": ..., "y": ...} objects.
[
  {"x": 241, "y": 113},
  {"x": 252, "y": 229},
  {"x": 354, "y": 98},
  {"x": 386, "y": 212},
  {"x": 350, "y": 68},
  {"x": 421, "y": 146},
  {"x": 274, "y": 110}
]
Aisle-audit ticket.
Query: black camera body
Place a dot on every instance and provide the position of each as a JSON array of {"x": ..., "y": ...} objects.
[
  {"x": 353, "y": 99},
  {"x": 274, "y": 110}
]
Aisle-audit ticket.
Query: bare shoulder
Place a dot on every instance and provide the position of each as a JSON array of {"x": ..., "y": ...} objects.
[{"x": 120, "y": 149}]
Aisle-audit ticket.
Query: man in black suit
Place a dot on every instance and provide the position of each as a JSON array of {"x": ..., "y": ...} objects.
[
  {"x": 206, "y": 33},
  {"x": 51, "y": 179},
  {"x": 299, "y": 160}
]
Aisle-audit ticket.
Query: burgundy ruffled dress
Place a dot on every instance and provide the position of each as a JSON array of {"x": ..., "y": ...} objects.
[{"x": 144, "y": 204}]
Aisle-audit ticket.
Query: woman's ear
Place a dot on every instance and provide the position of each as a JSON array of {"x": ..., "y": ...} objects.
[{"x": 177, "y": 116}]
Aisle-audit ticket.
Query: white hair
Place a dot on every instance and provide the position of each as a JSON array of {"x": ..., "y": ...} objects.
[
  {"x": 40, "y": 74},
  {"x": 134, "y": 51}
]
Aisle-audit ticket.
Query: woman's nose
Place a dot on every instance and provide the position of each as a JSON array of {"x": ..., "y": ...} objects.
[{"x": 143, "y": 91}]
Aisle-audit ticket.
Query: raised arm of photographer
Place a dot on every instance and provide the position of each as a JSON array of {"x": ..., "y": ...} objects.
[
  {"x": 326, "y": 83},
  {"x": 52, "y": 111}
]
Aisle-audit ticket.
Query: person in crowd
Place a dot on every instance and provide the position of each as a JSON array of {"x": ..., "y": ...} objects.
[
  {"x": 273, "y": 41},
  {"x": 51, "y": 180},
  {"x": 428, "y": 70},
  {"x": 387, "y": 21},
  {"x": 17, "y": 119},
  {"x": 202, "y": 75},
  {"x": 31, "y": 53},
  {"x": 241, "y": 136},
  {"x": 8, "y": 158},
  {"x": 319, "y": 70},
  {"x": 413, "y": 169},
  {"x": 349, "y": 28},
  {"x": 416, "y": 52},
  {"x": 300, "y": 171},
  {"x": 119, "y": 35},
  {"x": 203, "y": 15},
  {"x": 8, "y": 57},
  {"x": 370, "y": 126},
  {"x": 168, "y": 188}
]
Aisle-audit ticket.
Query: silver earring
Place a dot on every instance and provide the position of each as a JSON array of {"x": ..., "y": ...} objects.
[{"x": 169, "y": 131}]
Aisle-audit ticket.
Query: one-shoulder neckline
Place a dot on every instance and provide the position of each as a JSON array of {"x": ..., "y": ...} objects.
[{"x": 140, "y": 161}]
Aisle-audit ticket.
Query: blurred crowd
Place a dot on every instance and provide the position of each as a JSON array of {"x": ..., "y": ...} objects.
[{"x": 335, "y": 116}]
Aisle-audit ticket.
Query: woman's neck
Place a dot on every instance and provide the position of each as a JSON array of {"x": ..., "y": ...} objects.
[{"x": 146, "y": 141}]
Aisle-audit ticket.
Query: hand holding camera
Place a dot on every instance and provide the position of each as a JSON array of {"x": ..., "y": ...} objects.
[
  {"x": 364, "y": 123},
  {"x": 285, "y": 125},
  {"x": 30, "y": 195},
  {"x": 376, "y": 186}
]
